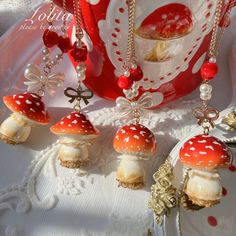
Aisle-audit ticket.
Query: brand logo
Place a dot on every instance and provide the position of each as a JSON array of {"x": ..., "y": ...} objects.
[{"x": 39, "y": 19}]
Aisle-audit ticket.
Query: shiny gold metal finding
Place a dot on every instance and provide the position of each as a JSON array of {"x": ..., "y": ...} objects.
[
  {"x": 163, "y": 193},
  {"x": 230, "y": 120}
]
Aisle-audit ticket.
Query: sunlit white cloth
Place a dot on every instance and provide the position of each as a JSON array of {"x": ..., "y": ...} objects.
[{"x": 13, "y": 10}]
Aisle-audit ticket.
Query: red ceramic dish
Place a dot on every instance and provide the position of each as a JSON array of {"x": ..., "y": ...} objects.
[
  {"x": 169, "y": 21},
  {"x": 169, "y": 77}
]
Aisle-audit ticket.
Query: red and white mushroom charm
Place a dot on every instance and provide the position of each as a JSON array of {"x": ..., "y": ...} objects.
[
  {"x": 204, "y": 155},
  {"x": 136, "y": 143},
  {"x": 156, "y": 32},
  {"x": 167, "y": 22},
  {"x": 28, "y": 109},
  {"x": 76, "y": 131}
]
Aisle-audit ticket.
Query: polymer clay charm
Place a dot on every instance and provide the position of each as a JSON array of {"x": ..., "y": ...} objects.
[
  {"x": 135, "y": 143},
  {"x": 205, "y": 155},
  {"x": 28, "y": 110},
  {"x": 75, "y": 132}
]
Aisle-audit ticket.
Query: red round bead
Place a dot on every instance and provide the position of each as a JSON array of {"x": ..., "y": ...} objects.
[
  {"x": 136, "y": 74},
  {"x": 64, "y": 44},
  {"x": 125, "y": 82},
  {"x": 50, "y": 38},
  {"x": 209, "y": 70},
  {"x": 79, "y": 54}
]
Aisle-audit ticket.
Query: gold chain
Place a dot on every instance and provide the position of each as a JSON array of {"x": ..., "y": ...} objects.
[
  {"x": 64, "y": 28},
  {"x": 78, "y": 17},
  {"x": 212, "y": 48},
  {"x": 226, "y": 19},
  {"x": 50, "y": 20},
  {"x": 216, "y": 37},
  {"x": 130, "y": 53}
]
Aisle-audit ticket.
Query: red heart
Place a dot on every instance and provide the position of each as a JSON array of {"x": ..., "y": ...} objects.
[
  {"x": 79, "y": 54},
  {"x": 50, "y": 38},
  {"x": 64, "y": 44}
]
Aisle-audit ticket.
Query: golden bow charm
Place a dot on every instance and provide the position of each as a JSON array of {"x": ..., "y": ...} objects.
[
  {"x": 37, "y": 81},
  {"x": 126, "y": 107},
  {"x": 204, "y": 116},
  {"x": 78, "y": 94}
]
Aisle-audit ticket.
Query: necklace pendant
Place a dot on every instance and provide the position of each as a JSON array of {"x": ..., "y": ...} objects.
[
  {"x": 204, "y": 155},
  {"x": 135, "y": 143}
]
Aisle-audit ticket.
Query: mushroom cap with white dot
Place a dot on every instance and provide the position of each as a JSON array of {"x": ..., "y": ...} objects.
[
  {"x": 205, "y": 152},
  {"x": 169, "y": 21},
  {"x": 75, "y": 124},
  {"x": 135, "y": 139},
  {"x": 29, "y": 105}
]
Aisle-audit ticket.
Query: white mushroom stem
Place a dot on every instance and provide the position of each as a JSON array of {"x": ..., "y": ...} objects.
[
  {"x": 204, "y": 187},
  {"x": 130, "y": 172},
  {"x": 73, "y": 152},
  {"x": 15, "y": 129}
]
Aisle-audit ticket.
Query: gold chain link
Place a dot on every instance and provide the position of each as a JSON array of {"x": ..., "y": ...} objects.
[
  {"x": 64, "y": 28},
  {"x": 217, "y": 36},
  {"x": 78, "y": 17},
  {"x": 130, "y": 53},
  {"x": 50, "y": 20},
  {"x": 212, "y": 48},
  {"x": 226, "y": 19}
]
